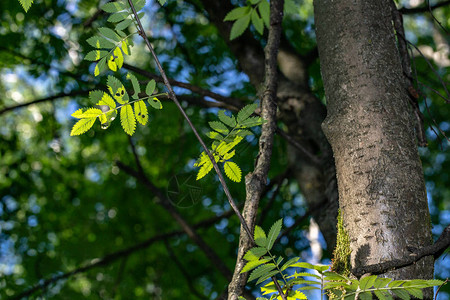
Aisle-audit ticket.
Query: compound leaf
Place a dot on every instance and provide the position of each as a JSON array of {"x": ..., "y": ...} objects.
[
  {"x": 230, "y": 121},
  {"x": 246, "y": 112}
]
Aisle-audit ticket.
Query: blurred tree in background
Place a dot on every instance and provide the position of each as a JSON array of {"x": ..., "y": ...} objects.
[{"x": 90, "y": 204}]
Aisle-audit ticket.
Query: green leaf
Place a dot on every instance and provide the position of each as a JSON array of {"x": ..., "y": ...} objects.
[
  {"x": 261, "y": 271},
  {"x": 117, "y": 89},
  {"x": 106, "y": 100},
  {"x": 138, "y": 4},
  {"x": 127, "y": 119},
  {"x": 233, "y": 171},
  {"x": 396, "y": 283},
  {"x": 109, "y": 33},
  {"x": 382, "y": 295},
  {"x": 416, "y": 292},
  {"x": 237, "y": 13},
  {"x": 95, "y": 55},
  {"x": 88, "y": 113},
  {"x": 155, "y": 103},
  {"x": 140, "y": 110},
  {"x": 124, "y": 24},
  {"x": 255, "y": 253},
  {"x": 381, "y": 282},
  {"x": 205, "y": 169},
  {"x": 252, "y": 121},
  {"x": 95, "y": 95},
  {"x": 257, "y": 22},
  {"x": 290, "y": 7},
  {"x": 117, "y": 17},
  {"x": 230, "y": 121},
  {"x": 365, "y": 296},
  {"x": 367, "y": 282},
  {"x": 267, "y": 276},
  {"x": 112, "y": 7},
  {"x": 264, "y": 11},
  {"x": 150, "y": 88},
  {"x": 243, "y": 132},
  {"x": 260, "y": 236},
  {"x": 331, "y": 275},
  {"x": 82, "y": 126},
  {"x": 254, "y": 2},
  {"x": 215, "y": 135},
  {"x": 100, "y": 67},
  {"x": 246, "y": 112},
  {"x": 229, "y": 155},
  {"x": 289, "y": 263},
  {"x": 115, "y": 61},
  {"x": 136, "y": 86},
  {"x": 273, "y": 233},
  {"x": 219, "y": 127},
  {"x": 239, "y": 27},
  {"x": 100, "y": 42},
  {"x": 402, "y": 294},
  {"x": 162, "y": 2},
  {"x": 26, "y": 4}
]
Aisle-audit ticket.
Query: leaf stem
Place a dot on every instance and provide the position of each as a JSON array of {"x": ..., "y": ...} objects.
[{"x": 173, "y": 97}]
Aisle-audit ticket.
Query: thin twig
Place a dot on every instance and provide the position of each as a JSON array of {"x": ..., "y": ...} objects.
[
  {"x": 177, "y": 103},
  {"x": 422, "y": 9},
  {"x": 49, "y": 98}
]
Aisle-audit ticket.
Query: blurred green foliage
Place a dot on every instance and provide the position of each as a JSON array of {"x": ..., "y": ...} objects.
[{"x": 63, "y": 200}]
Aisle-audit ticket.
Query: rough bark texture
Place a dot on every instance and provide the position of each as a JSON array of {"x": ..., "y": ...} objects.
[
  {"x": 256, "y": 181},
  {"x": 370, "y": 126}
]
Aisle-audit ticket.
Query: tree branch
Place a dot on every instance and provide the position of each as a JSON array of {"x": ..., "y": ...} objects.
[
  {"x": 194, "y": 130},
  {"x": 110, "y": 258},
  {"x": 422, "y": 9},
  {"x": 235, "y": 102},
  {"x": 169, "y": 207},
  {"x": 435, "y": 250},
  {"x": 256, "y": 181},
  {"x": 49, "y": 98}
]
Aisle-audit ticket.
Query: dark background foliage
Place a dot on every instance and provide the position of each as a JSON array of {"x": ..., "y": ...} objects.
[{"x": 64, "y": 202}]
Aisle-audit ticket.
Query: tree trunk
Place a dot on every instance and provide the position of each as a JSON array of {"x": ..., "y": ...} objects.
[{"x": 370, "y": 127}]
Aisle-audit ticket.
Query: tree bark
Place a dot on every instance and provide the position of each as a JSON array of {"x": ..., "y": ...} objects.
[{"x": 370, "y": 126}]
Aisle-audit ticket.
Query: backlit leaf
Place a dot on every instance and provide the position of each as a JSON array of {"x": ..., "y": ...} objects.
[
  {"x": 230, "y": 121},
  {"x": 219, "y": 127},
  {"x": 253, "y": 264},
  {"x": 82, "y": 126},
  {"x": 260, "y": 236},
  {"x": 141, "y": 113},
  {"x": 233, "y": 171},
  {"x": 100, "y": 42},
  {"x": 127, "y": 119},
  {"x": 95, "y": 55},
  {"x": 155, "y": 103}
]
